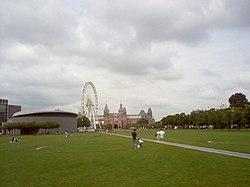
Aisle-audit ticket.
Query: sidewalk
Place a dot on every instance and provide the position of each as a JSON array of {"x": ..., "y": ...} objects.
[{"x": 205, "y": 149}]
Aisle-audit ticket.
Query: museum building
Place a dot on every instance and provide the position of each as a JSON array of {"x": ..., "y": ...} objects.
[
  {"x": 121, "y": 119},
  {"x": 67, "y": 120}
]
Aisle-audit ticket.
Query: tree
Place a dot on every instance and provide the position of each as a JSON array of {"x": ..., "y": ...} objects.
[
  {"x": 32, "y": 127},
  {"x": 238, "y": 100},
  {"x": 247, "y": 116},
  {"x": 83, "y": 121},
  {"x": 211, "y": 117}
]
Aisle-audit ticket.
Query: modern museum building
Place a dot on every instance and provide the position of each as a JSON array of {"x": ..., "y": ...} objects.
[{"x": 67, "y": 120}]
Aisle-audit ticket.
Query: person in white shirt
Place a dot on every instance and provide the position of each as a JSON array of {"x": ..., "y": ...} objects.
[
  {"x": 158, "y": 135},
  {"x": 140, "y": 141},
  {"x": 162, "y": 133}
]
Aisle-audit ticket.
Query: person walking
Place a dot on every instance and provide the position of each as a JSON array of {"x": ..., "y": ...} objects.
[
  {"x": 158, "y": 135},
  {"x": 162, "y": 133},
  {"x": 134, "y": 135}
]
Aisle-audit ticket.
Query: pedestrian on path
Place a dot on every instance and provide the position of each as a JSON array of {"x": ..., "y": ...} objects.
[
  {"x": 162, "y": 133},
  {"x": 134, "y": 135},
  {"x": 157, "y": 135}
]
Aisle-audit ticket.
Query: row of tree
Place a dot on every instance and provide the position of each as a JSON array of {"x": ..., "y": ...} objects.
[
  {"x": 236, "y": 116},
  {"x": 221, "y": 118},
  {"x": 146, "y": 125},
  {"x": 31, "y": 127}
]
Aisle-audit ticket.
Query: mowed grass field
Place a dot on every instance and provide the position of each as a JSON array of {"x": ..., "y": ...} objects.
[
  {"x": 234, "y": 140},
  {"x": 91, "y": 159}
]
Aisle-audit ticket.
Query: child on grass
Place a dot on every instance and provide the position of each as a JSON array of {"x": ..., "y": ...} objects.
[{"x": 140, "y": 141}]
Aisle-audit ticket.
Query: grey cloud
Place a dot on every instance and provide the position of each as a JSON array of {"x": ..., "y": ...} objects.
[
  {"x": 48, "y": 49},
  {"x": 181, "y": 21},
  {"x": 237, "y": 13},
  {"x": 35, "y": 96},
  {"x": 243, "y": 80},
  {"x": 209, "y": 73},
  {"x": 34, "y": 22},
  {"x": 137, "y": 62},
  {"x": 137, "y": 22},
  {"x": 159, "y": 21}
]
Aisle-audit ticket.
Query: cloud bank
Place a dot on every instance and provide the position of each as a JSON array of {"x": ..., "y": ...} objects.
[{"x": 172, "y": 56}]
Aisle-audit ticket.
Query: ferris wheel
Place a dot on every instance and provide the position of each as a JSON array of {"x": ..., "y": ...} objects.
[{"x": 89, "y": 104}]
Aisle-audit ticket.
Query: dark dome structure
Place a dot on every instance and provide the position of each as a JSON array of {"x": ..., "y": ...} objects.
[{"x": 67, "y": 120}]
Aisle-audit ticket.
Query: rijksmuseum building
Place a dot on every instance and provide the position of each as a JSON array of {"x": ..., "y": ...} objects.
[{"x": 121, "y": 119}]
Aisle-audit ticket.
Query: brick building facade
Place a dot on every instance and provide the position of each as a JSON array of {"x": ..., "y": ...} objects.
[{"x": 121, "y": 119}]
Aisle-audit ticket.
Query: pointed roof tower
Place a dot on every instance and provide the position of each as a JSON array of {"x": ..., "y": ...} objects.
[
  {"x": 106, "y": 110},
  {"x": 125, "y": 110},
  {"x": 120, "y": 109},
  {"x": 150, "y": 113}
]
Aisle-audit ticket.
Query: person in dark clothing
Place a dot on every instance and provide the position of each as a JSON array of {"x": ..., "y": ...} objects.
[{"x": 134, "y": 135}]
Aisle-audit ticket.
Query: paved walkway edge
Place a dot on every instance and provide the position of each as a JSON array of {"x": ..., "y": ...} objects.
[{"x": 205, "y": 149}]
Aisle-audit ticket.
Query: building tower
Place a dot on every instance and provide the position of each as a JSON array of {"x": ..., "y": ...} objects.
[
  {"x": 3, "y": 111},
  {"x": 122, "y": 117}
]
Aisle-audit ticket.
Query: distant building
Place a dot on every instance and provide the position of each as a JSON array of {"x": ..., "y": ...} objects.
[
  {"x": 121, "y": 119},
  {"x": 7, "y": 111},
  {"x": 3, "y": 111},
  {"x": 67, "y": 120}
]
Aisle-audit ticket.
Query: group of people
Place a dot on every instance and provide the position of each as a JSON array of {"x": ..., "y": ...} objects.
[
  {"x": 134, "y": 142},
  {"x": 159, "y": 135}
]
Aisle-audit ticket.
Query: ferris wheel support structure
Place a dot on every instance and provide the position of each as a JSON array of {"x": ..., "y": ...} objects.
[{"x": 89, "y": 105}]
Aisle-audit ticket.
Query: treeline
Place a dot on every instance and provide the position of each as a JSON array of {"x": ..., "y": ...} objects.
[
  {"x": 31, "y": 127},
  {"x": 235, "y": 117},
  {"x": 145, "y": 125}
]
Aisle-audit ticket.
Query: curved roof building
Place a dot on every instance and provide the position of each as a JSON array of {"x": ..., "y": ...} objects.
[{"x": 67, "y": 120}]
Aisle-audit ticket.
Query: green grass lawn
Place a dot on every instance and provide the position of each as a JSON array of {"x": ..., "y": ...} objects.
[
  {"x": 87, "y": 159},
  {"x": 237, "y": 140}
]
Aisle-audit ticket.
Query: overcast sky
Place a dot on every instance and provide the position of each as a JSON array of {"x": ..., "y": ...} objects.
[{"x": 171, "y": 55}]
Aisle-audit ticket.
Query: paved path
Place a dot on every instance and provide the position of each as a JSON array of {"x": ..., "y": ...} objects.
[{"x": 211, "y": 150}]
